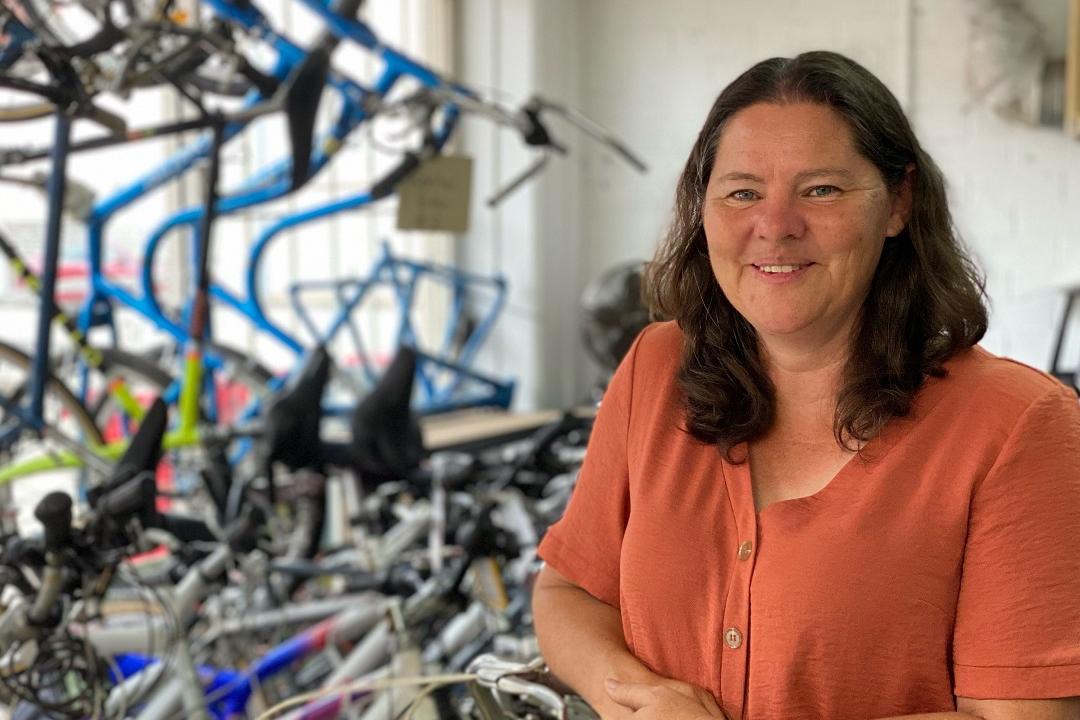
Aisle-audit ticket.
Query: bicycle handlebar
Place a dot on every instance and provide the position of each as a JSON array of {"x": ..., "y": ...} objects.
[
  {"x": 134, "y": 498},
  {"x": 54, "y": 513},
  {"x": 518, "y": 680}
]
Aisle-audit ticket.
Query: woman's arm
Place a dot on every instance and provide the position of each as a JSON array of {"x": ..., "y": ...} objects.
[
  {"x": 971, "y": 709},
  {"x": 581, "y": 639}
]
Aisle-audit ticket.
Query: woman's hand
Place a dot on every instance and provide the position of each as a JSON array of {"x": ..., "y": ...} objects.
[{"x": 666, "y": 700}]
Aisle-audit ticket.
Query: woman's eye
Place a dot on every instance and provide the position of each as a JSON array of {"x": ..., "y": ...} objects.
[
  {"x": 743, "y": 195},
  {"x": 822, "y": 191}
]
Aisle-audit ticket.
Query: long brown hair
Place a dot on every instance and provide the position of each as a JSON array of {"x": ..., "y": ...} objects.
[{"x": 926, "y": 299}]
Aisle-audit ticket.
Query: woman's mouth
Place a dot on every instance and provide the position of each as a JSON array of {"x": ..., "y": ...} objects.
[{"x": 781, "y": 272}]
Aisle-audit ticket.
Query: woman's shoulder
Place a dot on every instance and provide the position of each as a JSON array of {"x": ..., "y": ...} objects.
[
  {"x": 657, "y": 352},
  {"x": 659, "y": 339},
  {"x": 651, "y": 367},
  {"x": 1003, "y": 385}
]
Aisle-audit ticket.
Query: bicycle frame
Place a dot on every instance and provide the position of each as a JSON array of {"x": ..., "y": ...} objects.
[
  {"x": 30, "y": 417},
  {"x": 267, "y": 185},
  {"x": 56, "y": 186},
  {"x": 403, "y": 276},
  {"x": 231, "y": 689}
]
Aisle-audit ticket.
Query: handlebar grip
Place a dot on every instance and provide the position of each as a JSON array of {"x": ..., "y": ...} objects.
[
  {"x": 538, "y": 135},
  {"x": 54, "y": 512},
  {"x": 267, "y": 85},
  {"x": 243, "y": 533},
  {"x": 135, "y": 497},
  {"x": 186, "y": 529},
  {"x": 392, "y": 179}
]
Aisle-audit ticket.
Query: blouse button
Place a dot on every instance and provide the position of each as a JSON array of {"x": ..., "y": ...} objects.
[
  {"x": 745, "y": 549},
  {"x": 733, "y": 638}
]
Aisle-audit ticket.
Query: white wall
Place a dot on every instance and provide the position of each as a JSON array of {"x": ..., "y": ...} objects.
[
  {"x": 534, "y": 237},
  {"x": 650, "y": 71},
  {"x": 1015, "y": 191}
]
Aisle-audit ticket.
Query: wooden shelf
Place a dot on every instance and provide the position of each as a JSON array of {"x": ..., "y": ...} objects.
[{"x": 477, "y": 428}]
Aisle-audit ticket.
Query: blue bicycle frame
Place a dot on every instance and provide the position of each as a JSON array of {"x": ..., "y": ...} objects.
[
  {"x": 403, "y": 277},
  {"x": 387, "y": 268},
  {"x": 32, "y": 416},
  {"x": 267, "y": 185},
  {"x": 272, "y": 182}
]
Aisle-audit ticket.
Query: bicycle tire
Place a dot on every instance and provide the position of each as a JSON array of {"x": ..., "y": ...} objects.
[
  {"x": 55, "y": 391},
  {"x": 30, "y": 111}
]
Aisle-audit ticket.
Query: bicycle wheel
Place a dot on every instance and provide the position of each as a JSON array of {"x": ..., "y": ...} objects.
[
  {"x": 69, "y": 424},
  {"x": 31, "y": 110},
  {"x": 18, "y": 103},
  {"x": 62, "y": 411}
]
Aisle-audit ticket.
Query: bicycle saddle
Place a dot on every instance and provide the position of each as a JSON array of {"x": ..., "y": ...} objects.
[
  {"x": 141, "y": 456},
  {"x": 386, "y": 439},
  {"x": 305, "y": 85},
  {"x": 292, "y": 421}
]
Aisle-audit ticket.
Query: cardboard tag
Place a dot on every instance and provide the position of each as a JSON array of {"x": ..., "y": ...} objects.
[{"x": 436, "y": 196}]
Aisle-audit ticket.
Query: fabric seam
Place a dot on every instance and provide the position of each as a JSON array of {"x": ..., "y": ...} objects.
[
  {"x": 1017, "y": 667},
  {"x": 1008, "y": 438},
  {"x": 566, "y": 549}
]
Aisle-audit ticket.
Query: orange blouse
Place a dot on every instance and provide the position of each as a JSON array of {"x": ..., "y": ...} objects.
[{"x": 945, "y": 559}]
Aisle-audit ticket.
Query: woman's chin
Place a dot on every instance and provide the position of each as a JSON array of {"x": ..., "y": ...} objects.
[{"x": 787, "y": 327}]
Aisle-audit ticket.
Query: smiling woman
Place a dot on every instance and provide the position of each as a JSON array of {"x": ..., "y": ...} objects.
[
  {"x": 810, "y": 494},
  {"x": 794, "y": 245},
  {"x": 810, "y": 157}
]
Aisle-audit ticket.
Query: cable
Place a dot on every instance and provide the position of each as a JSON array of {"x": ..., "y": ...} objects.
[
  {"x": 383, "y": 684},
  {"x": 171, "y": 628},
  {"x": 118, "y": 674},
  {"x": 409, "y": 712}
]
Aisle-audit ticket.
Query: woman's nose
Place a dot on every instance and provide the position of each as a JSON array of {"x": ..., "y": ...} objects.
[{"x": 780, "y": 218}]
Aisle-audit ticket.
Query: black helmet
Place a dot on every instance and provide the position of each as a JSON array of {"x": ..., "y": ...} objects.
[{"x": 613, "y": 313}]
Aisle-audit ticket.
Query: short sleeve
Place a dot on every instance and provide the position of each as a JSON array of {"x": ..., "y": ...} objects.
[
  {"x": 585, "y": 545},
  {"x": 1017, "y": 632}
]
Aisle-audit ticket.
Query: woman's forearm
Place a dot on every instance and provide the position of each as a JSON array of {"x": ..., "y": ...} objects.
[
  {"x": 581, "y": 639},
  {"x": 934, "y": 716},
  {"x": 582, "y": 642}
]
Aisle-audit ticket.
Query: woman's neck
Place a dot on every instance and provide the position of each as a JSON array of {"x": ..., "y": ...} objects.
[{"x": 807, "y": 382}]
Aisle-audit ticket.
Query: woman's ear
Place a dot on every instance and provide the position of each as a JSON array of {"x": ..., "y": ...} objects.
[{"x": 901, "y": 203}]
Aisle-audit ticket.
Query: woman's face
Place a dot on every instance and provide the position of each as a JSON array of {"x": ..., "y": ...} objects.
[{"x": 795, "y": 220}]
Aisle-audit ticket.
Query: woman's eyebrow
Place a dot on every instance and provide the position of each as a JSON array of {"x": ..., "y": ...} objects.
[
  {"x": 824, "y": 172},
  {"x": 739, "y": 176},
  {"x": 799, "y": 177}
]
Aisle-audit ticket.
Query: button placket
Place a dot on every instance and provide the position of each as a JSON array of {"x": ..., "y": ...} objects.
[{"x": 736, "y": 628}]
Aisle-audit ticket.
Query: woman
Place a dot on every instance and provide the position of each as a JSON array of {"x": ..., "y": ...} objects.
[{"x": 810, "y": 494}]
